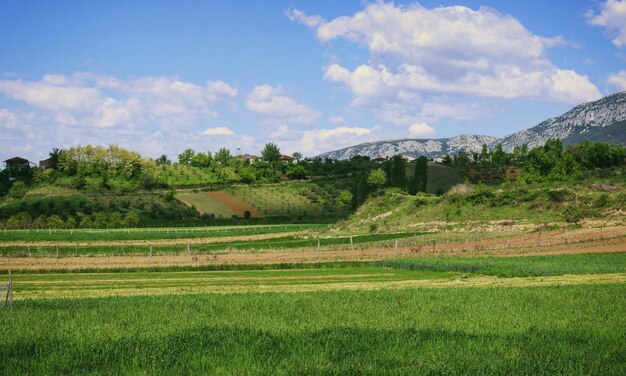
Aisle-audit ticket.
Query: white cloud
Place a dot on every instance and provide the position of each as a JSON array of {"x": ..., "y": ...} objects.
[
  {"x": 86, "y": 99},
  {"x": 310, "y": 21},
  {"x": 218, "y": 131},
  {"x": 421, "y": 130},
  {"x": 618, "y": 80},
  {"x": 416, "y": 53},
  {"x": 613, "y": 17},
  {"x": 315, "y": 141},
  {"x": 274, "y": 108}
]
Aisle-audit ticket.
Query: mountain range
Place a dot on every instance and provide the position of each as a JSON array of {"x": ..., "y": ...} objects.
[{"x": 601, "y": 120}]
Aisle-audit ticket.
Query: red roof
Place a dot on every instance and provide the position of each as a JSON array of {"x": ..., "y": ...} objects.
[
  {"x": 286, "y": 158},
  {"x": 17, "y": 159}
]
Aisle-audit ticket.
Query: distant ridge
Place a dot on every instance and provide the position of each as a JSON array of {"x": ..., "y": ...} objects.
[{"x": 601, "y": 120}]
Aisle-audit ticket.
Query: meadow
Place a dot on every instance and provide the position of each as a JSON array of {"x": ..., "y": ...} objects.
[{"x": 459, "y": 330}]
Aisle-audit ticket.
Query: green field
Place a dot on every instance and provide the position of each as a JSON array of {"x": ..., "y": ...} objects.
[
  {"x": 514, "y": 330},
  {"x": 150, "y": 233},
  {"x": 205, "y": 204}
]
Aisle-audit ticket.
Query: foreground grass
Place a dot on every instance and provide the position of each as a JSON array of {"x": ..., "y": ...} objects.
[{"x": 532, "y": 330}]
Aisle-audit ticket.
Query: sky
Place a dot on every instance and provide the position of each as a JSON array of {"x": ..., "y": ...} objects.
[{"x": 158, "y": 77}]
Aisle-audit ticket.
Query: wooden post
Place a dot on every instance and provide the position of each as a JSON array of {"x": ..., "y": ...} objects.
[
  {"x": 318, "y": 250},
  {"x": 10, "y": 293},
  {"x": 351, "y": 243},
  {"x": 150, "y": 251},
  {"x": 395, "y": 246},
  {"x": 57, "y": 247},
  {"x": 188, "y": 250},
  {"x": 433, "y": 246}
]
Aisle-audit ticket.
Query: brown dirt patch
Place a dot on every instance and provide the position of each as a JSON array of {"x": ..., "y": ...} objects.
[{"x": 234, "y": 204}]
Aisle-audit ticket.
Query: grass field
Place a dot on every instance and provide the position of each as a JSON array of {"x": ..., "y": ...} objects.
[
  {"x": 399, "y": 311},
  {"x": 576, "y": 329}
]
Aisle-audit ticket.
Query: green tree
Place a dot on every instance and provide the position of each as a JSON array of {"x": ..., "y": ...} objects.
[
  {"x": 420, "y": 176},
  {"x": 271, "y": 153},
  {"x": 70, "y": 222},
  {"x": 132, "y": 219},
  {"x": 163, "y": 160},
  {"x": 395, "y": 169},
  {"x": 377, "y": 179},
  {"x": 499, "y": 156},
  {"x": 222, "y": 156},
  {"x": 54, "y": 157},
  {"x": 18, "y": 190},
  {"x": 86, "y": 222},
  {"x": 344, "y": 199},
  {"x": 186, "y": 156},
  {"x": 54, "y": 221}
]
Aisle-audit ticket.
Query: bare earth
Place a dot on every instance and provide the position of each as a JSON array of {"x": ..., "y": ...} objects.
[{"x": 584, "y": 240}]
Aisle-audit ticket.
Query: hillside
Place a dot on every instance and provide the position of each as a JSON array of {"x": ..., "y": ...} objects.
[
  {"x": 601, "y": 120},
  {"x": 472, "y": 207}
]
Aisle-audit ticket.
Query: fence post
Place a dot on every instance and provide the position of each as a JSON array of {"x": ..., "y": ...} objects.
[
  {"x": 188, "y": 250},
  {"x": 395, "y": 246},
  {"x": 351, "y": 243},
  {"x": 10, "y": 294},
  {"x": 318, "y": 250},
  {"x": 57, "y": 247}
]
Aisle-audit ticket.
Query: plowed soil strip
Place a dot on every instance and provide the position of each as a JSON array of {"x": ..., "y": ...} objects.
[{"x": 234, "y": 204}]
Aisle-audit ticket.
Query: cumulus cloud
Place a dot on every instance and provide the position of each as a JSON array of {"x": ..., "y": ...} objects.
[
  {"x": 274, "y": 108},
  {"x": 613, "y": 17},
  {"x": 218, "y": 131},
  {"x": 421, "y": 130},
  {"x": 316, "y": 141},
  {"x": 618, "y": 80},
  {"x": 416, "y": 53},
  {"x": 86, "y": 99}
]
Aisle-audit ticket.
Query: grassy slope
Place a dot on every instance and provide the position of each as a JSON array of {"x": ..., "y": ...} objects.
[{"x": 399, "y": 211}]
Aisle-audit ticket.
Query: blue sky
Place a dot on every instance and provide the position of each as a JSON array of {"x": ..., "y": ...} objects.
[{"x": 160, "y": 76}]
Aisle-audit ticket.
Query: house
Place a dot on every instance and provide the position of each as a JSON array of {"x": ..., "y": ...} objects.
[
  {"x": 249, "y": 157},
  {"x": 408, "y": 158},
  {"x": 379, "y": 160},
  {"x": 439, "y": 158},
  {"x": 18, "y": 163},
  {"x": 287, "y": 159},
  {"x": 45, "y": 164}
]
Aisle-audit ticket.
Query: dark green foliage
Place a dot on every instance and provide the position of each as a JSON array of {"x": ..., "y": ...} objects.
[
  {"x": 395, "y": 168},
  {"x": 271, "y": 153},
  {"x": 420, "y": 176}
]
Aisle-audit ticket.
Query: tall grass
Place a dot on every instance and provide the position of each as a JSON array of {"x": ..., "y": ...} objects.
[{"x": 539, "y": 330}]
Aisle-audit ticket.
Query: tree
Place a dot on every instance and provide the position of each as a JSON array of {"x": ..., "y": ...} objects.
[
  {"x": 132, "y": 219},
  {"x": 344, "y": 199},
  {"x": 86, "y": 222},
  {"x": 186, "y": 156},
  {"x": 396, "y": 171},
  {"x": 222, "y": 156},
  {"x": 18, "y": 190},
  {"x": 54, "y": 157},
  {"x": 499, "y": 156},
  {"x": 377, "y": 179},
  {"x": 54, "y": 221},
  {"x": 420, "y": 176},
  {"x": 297, "y": 155},
  {"x": 271, "y": 153},
  {"x": 163, "y": 160}
]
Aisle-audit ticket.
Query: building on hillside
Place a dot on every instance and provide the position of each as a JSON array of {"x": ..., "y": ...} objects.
[
  {"x": 408, "y": 158},
  {"x": 18, "y": 163},
  {"x": 249, "y": 157},
  {"x": 379, "y": 159},
  {"x": 287, "y": 159},
  {"x": 45, "y": 164},
  {"x": 439, "y": 158}
]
